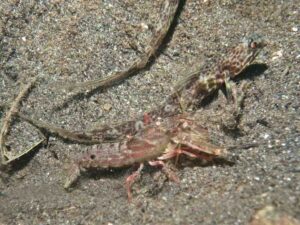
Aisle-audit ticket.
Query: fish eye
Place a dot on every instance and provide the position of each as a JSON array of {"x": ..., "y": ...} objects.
[{"x": 253, "y": 44}]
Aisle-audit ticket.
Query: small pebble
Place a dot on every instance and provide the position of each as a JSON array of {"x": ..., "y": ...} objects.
[
  {"x": 107, "y": 107},
  {"x": 277, "y": 55}
]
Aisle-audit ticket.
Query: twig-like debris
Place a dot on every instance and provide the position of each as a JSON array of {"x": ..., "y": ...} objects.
[
  {"x": 140, "y": 63},
  {"x": 8, "y": 118},
  {"x": 79, "y": 137},
  {"x": 14, "y": 157}
]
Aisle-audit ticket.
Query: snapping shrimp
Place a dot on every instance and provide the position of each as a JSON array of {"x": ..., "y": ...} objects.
[{"x": 163, "y": 137}]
